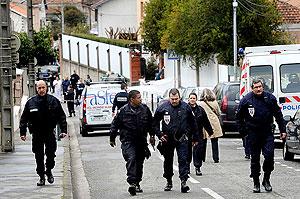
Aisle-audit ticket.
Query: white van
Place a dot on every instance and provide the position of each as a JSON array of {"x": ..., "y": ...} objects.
[
  {"x": 279, "y": 68},
  {"x": 95, "y": 112}
]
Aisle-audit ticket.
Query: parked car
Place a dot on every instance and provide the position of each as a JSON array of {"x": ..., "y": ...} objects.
[
  {"x": 227, "y": 95},
  {"x": 44, "y": 72},
  {"x": 188, "y": 90},
  {"x": 292, "y": 143}
]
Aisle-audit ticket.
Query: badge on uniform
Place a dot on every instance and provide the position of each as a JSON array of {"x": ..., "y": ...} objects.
[
  {"x": 251, "y": 111},
  {"x": 167, "y": 118}
]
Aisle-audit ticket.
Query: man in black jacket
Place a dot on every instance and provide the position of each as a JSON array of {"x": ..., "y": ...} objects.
[
  {"x": 41, "y": 115},
  {"x": 134, "y": 121},
  {"x": 120, "y": 99},
  {"x": 255, "y": 120},
  {"x": 178, "y": 127}
]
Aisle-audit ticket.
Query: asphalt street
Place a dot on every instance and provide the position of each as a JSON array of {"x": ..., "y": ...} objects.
[{"x": 105, "y": 173}]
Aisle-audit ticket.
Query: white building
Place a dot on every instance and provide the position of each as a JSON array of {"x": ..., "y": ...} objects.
[{"x": 18, "y": 16}]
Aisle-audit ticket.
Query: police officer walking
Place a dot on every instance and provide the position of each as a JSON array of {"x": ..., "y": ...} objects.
[
  {"x": 178, "y": 126},
  {"x": 41, "y": 114},
  {"x": 255, "y": 120},
  {"x": 133, "y": 122},
  {"x": 120, "y": 99}
]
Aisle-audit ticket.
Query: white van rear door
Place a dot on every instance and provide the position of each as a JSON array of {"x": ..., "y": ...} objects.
[
  {"x": 99, "y": 101},
  {"x": 288, "y": 88}
]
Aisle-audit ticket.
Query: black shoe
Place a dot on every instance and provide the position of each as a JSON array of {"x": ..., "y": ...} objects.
[
  {"x": 184, "y": 187},
  {"x": 256, "y": 187},
  {"x": 216, "y": 161},
  {"x": 70, "y": 115},
  {"x": 132, "y": 189},
  {"x": 266, "y": 183},
  {"x": 169, "y": 185},
  {"x": 247, "y": 157},
  {"x": 41, "y": 182},
  {"x": 198, "y": 172},
  {"x": 50, "y": 177},
  {"x": 138, "y": 189}
]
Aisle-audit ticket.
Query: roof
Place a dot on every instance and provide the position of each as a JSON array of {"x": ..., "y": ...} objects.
[
  {"x": 290, "y": 10},
  {"x": 17, "y": 8},
  {"x": 97, "y": 3}
]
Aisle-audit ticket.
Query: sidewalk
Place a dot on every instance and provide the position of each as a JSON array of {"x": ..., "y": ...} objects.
[{"x": 18, "y": 177}]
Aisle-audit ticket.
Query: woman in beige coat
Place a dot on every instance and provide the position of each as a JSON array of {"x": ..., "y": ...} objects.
[{"x": 210, "y": 105}]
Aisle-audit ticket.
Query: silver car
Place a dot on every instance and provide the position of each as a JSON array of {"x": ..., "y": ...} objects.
[{"x": 292, "y": 143}]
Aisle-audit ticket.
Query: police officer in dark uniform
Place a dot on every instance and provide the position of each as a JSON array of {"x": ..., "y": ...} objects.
[
  {"x": 41, "y": 114},
  {"x": 178, "y": 126},
  {"x": 255, "y": 120},
  {"x": 120, "y": 99},
  {"x": 133, "y": 122}
]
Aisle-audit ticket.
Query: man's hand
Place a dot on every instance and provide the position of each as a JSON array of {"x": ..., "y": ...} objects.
[
  {"x": 62, "y": 135},
  {"x": 152, "y": 140},
  {"x": 282, "y": 136},
  {"x": 194, "y": 143},
  {"x": 23, "y": 137},
  {"x": 112, "y": 143},
  {"x": 113, "y": 114},
  {"x": 164, "y": 138}
]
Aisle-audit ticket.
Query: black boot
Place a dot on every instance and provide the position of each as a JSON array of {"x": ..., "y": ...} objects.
[
  {"x": 138, "y": 188},
  {"x": 256, "y": 188},
  {"x": 41, "y": 181},
  {"x": 132, "y": 189},
  {"x": 184, "y": 187},
  {"x": 266, "y": 183},
  {"x": 50, "y": 177},
  {"x": 198, "y": 172},
  {"x": 169, "y": 185}
]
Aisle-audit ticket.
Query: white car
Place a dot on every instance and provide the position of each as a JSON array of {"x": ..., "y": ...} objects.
[{"x": 96, "y": 103}]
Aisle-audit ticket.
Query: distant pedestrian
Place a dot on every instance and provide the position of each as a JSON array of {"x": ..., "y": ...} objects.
[
  {"x": 174, "y": 124},
  {"x": 255, "y": 120},
  {"x": 41, "y": 114},
  {"x": 88, "y": 80},
  {"x": 120, "y": 99},
  {"x": 74, "y": 79},
  {"x": 133, "y": 123},
  {"x": 70, "y": 100},
  {"x": 79, "y": 89},
  {"x": 65, "y": 85},
  {"x": 210, "y": 105},
  {"x": 57, "y": 83},
  {"x": 51, "y": 80},
  {"x": 199, "y": 150}
]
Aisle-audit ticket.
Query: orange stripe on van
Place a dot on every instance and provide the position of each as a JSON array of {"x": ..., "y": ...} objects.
[
  {"x": 297, "y": 98},
  {"x": 244, "y": 75},
  {"x": 287, "y": 100},
  {"x": 243, "y": 89}
]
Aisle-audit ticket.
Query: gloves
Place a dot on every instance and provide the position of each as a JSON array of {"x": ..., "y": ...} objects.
[
  {"x": 164, "y": 138},
  {"x": 112, "y": 142},
  {"x": 152, "y": 140}
]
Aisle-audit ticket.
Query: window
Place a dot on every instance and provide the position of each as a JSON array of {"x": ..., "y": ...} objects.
[
  {"x": 96, "y": 14},
  {"x": 264, "y": 73},
  {"x": 289, "y": 78}
]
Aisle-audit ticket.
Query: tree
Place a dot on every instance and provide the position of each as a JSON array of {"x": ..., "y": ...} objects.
[
  {"x": 73, "y": 16},
  {"x": 200, "y": 29},
  {"x": 40, "y": 48}
]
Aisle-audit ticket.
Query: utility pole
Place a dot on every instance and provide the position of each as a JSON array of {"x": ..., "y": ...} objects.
[
  {"x": 6, "y": 99},
  {"x": 31, "y": 72},
  {"x": 235, "y": 65}
]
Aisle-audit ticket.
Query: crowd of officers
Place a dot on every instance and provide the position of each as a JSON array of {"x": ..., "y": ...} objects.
[{"x": 185, "y": 127}]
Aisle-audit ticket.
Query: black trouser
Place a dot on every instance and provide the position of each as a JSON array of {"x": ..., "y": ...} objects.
[
  {"x": 70, "y": 105},
  {"x": 246, "y": 145},
  {"x": 261, "y": 142},
  {"x": 182, "y": 149},
  {"x": 41, "y": 146},
  {"x": 198, "y": 153},
  {"x": 134, "y": 155}
]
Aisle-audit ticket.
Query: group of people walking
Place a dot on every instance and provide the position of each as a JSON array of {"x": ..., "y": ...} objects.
[
  {"x": 178, "y": 125},
  {"x": 185, "y": 127}
]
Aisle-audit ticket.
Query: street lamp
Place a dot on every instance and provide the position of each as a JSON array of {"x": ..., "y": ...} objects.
[{"x": 235, "y": 5}]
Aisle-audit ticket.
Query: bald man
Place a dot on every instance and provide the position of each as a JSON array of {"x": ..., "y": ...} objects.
[{"x": 41, "y": 114}]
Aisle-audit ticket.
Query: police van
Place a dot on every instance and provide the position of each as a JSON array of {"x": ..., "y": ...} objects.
[
  {"x": 279, "y": 69},
  {"x": 95, "y": 112}
]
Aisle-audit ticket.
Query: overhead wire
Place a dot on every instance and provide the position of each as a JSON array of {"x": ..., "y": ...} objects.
[{"x": 251, "y": 10}]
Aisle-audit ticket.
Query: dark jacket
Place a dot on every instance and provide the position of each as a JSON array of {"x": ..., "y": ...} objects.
[
  {"x": 41, "y": 115},
  {"x": 176, "y": 121},
  {"x": 255, "y": 113},
  {"x": 70, "y": 95},
  {"x": 133, "y": 123},
  {"x": 80, "y": 87},
  {"x": 120, "y": 100},
  {"x": 65, "y": 85},
  {"x": 202, "y": 121}
]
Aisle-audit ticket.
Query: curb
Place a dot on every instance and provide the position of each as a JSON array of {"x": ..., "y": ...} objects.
[{"x": 67, "y": 180}]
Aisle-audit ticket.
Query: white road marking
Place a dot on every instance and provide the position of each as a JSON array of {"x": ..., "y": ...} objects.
[
  {"x": 212, "y": 193},
  {"x": 290, "y": 167},
  {"x": 297, "y": 169}
]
